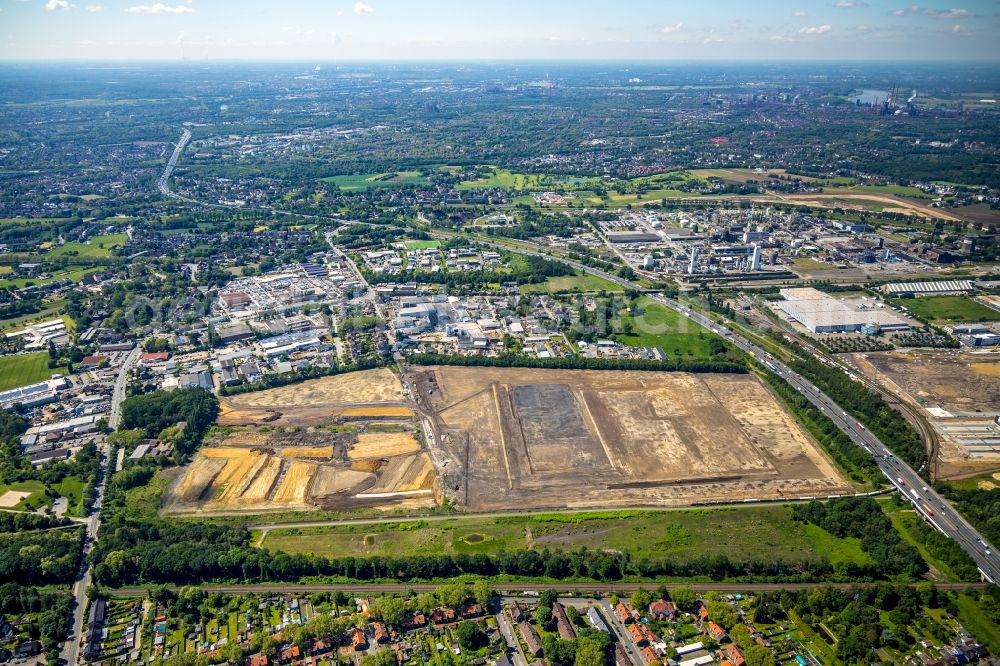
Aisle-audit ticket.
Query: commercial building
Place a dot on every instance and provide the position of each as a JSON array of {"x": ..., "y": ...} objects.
[
  {"x": 820, "y": 313},
  {"x": 33, "y": 395}
]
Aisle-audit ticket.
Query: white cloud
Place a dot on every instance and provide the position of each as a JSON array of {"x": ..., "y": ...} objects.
[
  {"x": 58, "y": 6},
  {"x": 815, "y": 30},
  {"x": 953, "y": 13},
  {"x": 850, "y": 4},
  {"x": 780, "y": 38},
  {"x": 800, "y": 14},
  {"x": 361, "y": 9},
  {"x": 159, "y": 8},
  {"x": 947, "y": 13},
  {"x": 670, "y": 29},
  {"x": 93, "y": 9}
]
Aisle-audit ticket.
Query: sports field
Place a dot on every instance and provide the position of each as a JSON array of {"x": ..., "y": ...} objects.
[{"x": 24, "y": 369}]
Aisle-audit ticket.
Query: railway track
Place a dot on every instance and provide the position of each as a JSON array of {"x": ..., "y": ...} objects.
[{"x": 511, "y": 588}]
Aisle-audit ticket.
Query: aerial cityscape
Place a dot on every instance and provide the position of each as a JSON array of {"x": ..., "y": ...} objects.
[{"x": 499, "y": 334}]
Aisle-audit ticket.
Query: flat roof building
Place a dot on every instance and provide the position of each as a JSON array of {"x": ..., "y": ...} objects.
[{"x": 820, "y": 313}]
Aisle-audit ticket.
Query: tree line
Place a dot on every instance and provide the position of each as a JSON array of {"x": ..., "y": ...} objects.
[{"x": 578, "y": 363}]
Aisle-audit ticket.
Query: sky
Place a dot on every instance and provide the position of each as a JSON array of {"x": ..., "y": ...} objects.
[{"x": 399, "y": 30}]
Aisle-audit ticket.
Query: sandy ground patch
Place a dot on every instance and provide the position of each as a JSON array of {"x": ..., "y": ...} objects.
[
  {"x": 383, "y": 445},
  {"x": 516, "y": 438},
  {"x": 12, "y": 498},
  {"x": 375, "y": 412},
  {"x": 307, "y": 452},
  {"x": 958, "y": 391}
]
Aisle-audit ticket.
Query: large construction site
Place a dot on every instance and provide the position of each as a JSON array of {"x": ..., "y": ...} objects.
[
  {"x": 336, "y": 443},
  {"x": 512, "y": 438},
  {"x": 502, "y": 439},
  {"x": 957, "y": 391}
]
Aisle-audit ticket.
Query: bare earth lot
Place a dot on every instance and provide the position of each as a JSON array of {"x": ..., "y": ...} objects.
[
  {"x": 322, "y": 444},
  {"x": 511, "y": 438},
  {"x": 368, "y": 393},
  {"x": 959, "y": 392}
]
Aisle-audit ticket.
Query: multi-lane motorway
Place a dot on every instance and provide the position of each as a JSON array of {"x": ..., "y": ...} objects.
[{"x": 911, "y": 485}]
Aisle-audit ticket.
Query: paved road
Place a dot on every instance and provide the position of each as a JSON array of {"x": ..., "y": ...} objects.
[
  {"x": 509, "y": 635},
  {"x": 506, "y": 587},
  {"x": 930, "y": 504},
  {"x": 163, "y": 184},
  {"x": 623, "y": 636},
  {"x": 71, "y": 648}
]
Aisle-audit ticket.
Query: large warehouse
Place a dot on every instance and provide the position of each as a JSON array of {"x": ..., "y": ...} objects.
[{"x": 820, "y": 313}]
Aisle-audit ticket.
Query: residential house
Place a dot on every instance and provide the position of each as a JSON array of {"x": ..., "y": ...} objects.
[
  {"x": 663, "y": 610},
  {"x": 624, "y": 613},
  {"x": 531, "y": 639},
  {"x": 358, "y": 640},
  {"x": 734, "y": 655},
  {"x": 716, "y": 632}
]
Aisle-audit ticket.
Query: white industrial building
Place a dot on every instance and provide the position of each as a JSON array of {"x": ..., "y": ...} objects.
[
  {"x": 937, "y": 287},
  {"x": 820, "y": 313}
]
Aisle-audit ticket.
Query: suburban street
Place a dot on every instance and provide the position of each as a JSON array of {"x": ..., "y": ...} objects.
[
  {"x": 929, "y": 503},
  {"x": 71, "y": 648}
]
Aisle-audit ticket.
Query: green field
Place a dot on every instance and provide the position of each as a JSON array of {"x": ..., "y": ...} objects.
[
  {"x": 582, "y": 283},
  {"x": 508, "y": 180},
  {"x": 34, "y": 500},
  {"x": 71, "y": 273},
  {"x": 759, "y": 533},
  {"x": 947, "y": 309},
  {"x": 893, "y": 190},
  {"x": 976, "y": 621},
  {"x": 659, "y": 326},
  {"x": 97, "y": 246},
  {"x": 24, "y": 369},
  {"x": 370, "y": 181},
  {"x": 421, "y": 244},
  {"x": 71, "y": 488}
]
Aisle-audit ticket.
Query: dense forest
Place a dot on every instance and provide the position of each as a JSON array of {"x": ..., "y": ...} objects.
[{"x": 157, "y": 411}]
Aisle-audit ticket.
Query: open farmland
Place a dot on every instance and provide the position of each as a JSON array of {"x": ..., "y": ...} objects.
[
  {"x": 958, "y": 391},
  {"x": 514, "y": 438},
  {"x": 369, "y": 393}
]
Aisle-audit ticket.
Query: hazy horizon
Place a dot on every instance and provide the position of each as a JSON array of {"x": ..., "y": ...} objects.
[{"x": 450, "y": 30}]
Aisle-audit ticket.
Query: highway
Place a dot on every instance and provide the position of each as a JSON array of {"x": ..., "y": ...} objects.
[
  {"x": 928, "y": 503},
  {"x": 71, "y": 648},
  {"x": 163, "y": 184}
]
